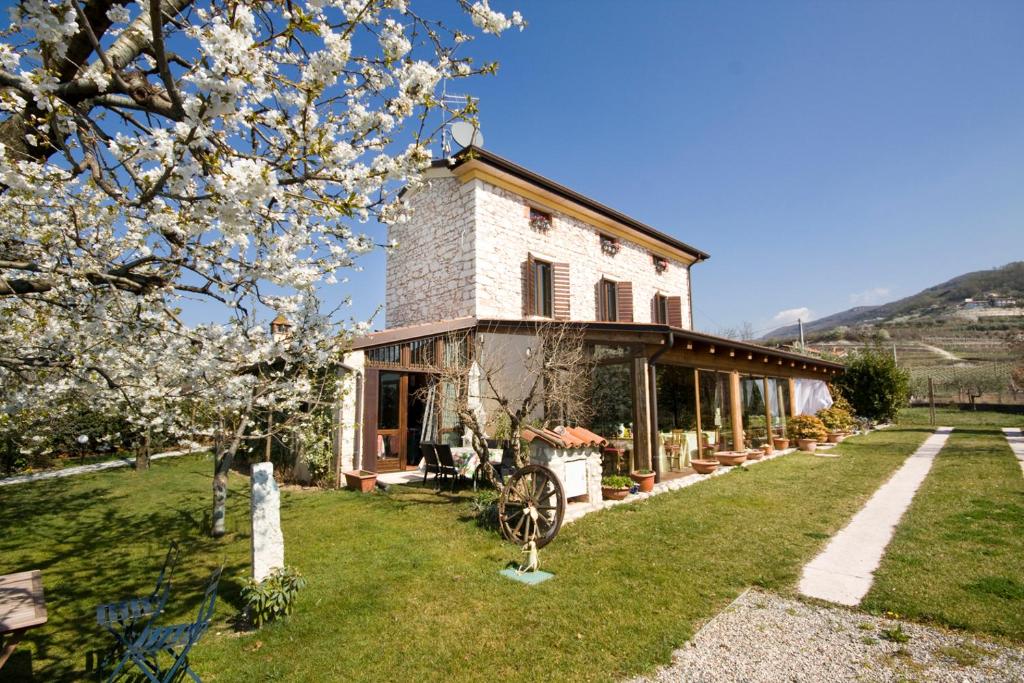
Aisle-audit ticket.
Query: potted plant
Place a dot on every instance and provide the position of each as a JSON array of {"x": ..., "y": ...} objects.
[
  {"x": 837, "y": 420},
  {"x": 615, "y": 487},
  {"x": 704, "y": 466},
  {"x": 767, "y": 448},
  {"x": 730, "y": 458},
  {"x": 645, "y": 478},
  {"x": 361, "y": 480},
  {"x": 755, "y": 454},
  {"x": 780, "y": 443},
  {"x": 808, "y": 431}
]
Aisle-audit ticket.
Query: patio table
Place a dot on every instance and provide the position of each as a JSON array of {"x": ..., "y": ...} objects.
[
  {"x": 467, "y": 461},
  {"x": 21, "y": 607}
]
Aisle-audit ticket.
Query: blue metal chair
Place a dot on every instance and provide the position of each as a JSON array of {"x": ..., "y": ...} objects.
[
  {"x": 176, "y": 640},
  {"x": 126, "y": 618}
]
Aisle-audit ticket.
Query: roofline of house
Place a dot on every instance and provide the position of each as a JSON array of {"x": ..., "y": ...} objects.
[
  {"x": 501, "y": 163},
  {"x": 404, "y": 334}
]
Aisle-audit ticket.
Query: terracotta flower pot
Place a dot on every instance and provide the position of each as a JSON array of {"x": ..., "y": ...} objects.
[
  {"x": 646, "y": 481},
  {"x": 362, "y": 481},
  {"x": 807, "y": 445},
  {"x": 755, "y": 454},
  {"x": 835, "y": 437},
  {"x": 767, "y": 449},
  {"x": 730, "y": 458},
  {"x": 780, "y": 443},
  {"x": 609, "y": 493},
  {"x": 704, "y": 466}
]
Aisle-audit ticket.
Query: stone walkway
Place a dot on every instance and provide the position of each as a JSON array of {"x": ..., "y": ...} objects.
[
  {"x": 86, "y": 469},
  {"x": 764, "y": 637},
  {"x": 1016, "y": 441},
  {"x": 844, "y": 571}
]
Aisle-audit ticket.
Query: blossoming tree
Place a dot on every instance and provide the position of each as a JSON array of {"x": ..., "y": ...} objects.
[{"x": 160, "y": 155}]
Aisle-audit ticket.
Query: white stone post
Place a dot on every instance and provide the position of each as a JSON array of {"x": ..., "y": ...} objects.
[{"x": 267, "y": 539}]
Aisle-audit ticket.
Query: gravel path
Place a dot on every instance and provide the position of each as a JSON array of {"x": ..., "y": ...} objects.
[{"x": 764, "y": 637}]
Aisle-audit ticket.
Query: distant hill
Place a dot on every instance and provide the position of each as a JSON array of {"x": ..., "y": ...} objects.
[{"x": 940, "y": 302}]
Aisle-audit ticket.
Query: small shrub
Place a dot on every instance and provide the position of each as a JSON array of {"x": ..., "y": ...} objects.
[
  {"x": 616, "y": 481},
  {"x": 895, "y": 635},
  {"x": 484, "y": 506},
  {"x": 836, "y": 419},
  {"x": 806, "y": 427},
  {"x": 273, "y": 597}
]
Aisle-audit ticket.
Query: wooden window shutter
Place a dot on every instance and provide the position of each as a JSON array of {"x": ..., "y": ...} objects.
[
  {"x": 624, "y": 301},
  {"x": 675, "y": 311},
  {"x": 560, "y": 291},
  {"x": 528, "y": 307}
]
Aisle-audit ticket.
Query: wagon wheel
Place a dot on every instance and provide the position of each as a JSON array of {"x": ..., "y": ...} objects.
[{"x": 531, "y": 506}]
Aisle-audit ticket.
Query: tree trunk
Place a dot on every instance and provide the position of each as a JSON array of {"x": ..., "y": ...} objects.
[
  {"x": 222, "y": 465},
  {"x": 142, "y": 456}
]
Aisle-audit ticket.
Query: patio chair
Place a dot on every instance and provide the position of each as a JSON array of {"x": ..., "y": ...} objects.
[
  {"x": 177, "y": 641},
  {"x": 446, "y": 463},
  {"x": 508, "y": 462},
  {"x": 430, "y": 462},
  {"x": 126, "y": 618}
]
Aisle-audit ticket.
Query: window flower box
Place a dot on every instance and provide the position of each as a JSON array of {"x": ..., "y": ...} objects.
[
  {"x": 540, "y": 221},
  {"x": 610, "y": 245},
  {"x": 660, "y": 264}
]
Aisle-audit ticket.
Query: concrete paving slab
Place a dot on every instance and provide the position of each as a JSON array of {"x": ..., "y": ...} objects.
[
  {"x": 844, "y": 571},
  {"x": 1016, "y": 441}
]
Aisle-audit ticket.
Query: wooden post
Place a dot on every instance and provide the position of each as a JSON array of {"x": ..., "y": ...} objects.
[
  {"x": 736, "y": 406},
  {"x": 641, "y": 415},
  {"x": 768, "y": 434},
  {"x": 792, "y": 396},
  {"x": 700, "y": 430},
  {"x": 270, "y": 429},
  {"x": 931, "y": 401}
]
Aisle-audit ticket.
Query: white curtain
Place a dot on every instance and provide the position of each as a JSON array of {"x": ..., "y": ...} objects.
[{"x": 811, "y": 395}]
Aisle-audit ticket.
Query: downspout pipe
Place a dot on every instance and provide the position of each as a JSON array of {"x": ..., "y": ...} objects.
[{"x": 652, "y": 381}]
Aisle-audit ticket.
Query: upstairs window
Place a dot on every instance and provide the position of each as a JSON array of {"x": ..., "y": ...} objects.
[
  {"x": 661, "y": 309},
  {"x": 543, "y": 299},
  {"x": 610, "y": 245},
  {"x": 539, "y": 220},
  {"x": 608, "y": 301}
]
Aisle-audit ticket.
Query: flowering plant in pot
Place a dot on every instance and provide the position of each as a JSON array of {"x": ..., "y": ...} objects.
[
  {"x": 780, "y": 443},
  {"x": 808, "y": 430},
  {"x": 615, "y": 487},
  {"x": 645, "y": 478},
  {"x": 837, "y": 420}
]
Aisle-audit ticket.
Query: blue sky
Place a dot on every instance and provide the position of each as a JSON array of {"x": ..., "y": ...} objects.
[{"x": 826, "y": 154}]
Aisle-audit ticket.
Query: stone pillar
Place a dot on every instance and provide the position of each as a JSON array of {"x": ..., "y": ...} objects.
[{"x": 267, "y": 539}]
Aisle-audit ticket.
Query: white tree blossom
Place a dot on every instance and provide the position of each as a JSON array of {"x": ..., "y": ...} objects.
[{"x": 163, "y": 154}]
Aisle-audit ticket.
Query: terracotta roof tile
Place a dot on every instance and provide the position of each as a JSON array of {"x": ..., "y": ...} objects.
[{"x": 565, "y": 437}]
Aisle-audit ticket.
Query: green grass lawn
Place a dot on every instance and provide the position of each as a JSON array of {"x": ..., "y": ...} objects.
[
  {"x": 957, "y": 558},
  {"x": 404, "y": 586},
  {"x": 953, "y": 417}
]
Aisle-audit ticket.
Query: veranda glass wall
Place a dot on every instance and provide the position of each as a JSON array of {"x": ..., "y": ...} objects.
[
  {"x": 715, "y": 413},
  {"x": 755, "y": 411}
]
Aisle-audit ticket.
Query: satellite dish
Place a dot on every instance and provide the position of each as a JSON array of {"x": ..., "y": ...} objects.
[{"x": 466, "y": 134}]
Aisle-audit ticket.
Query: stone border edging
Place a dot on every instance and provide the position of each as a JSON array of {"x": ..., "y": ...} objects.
[{"x": 93, "y": 467}]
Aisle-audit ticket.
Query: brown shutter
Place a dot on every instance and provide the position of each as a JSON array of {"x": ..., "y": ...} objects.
[
  {"x": 624, "y": 301},
  {"x": 675, "y": 311},
  {"x": 560, "y": 291},
  {"x": 599, "y": 299},
  {"x": 528, "y": 307}
]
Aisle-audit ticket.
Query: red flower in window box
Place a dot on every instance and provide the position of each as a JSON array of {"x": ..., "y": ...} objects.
[
  {"x": 610, "y": 245},
  {"x": 660, "y": 264}
]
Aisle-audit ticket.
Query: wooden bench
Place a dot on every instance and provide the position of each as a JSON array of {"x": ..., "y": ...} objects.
[{"x": 21, "y": 607}]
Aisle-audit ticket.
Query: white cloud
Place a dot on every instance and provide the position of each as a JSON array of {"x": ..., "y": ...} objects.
[
  {"x": 791, "y": 315},
  {"x": 869, "y": 297}
]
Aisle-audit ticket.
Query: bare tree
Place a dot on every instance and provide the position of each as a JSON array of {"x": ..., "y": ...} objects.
[{"x": 497, "y": 382}]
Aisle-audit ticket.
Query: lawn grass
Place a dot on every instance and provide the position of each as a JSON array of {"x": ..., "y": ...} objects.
[
  {"x": 954, "y": 417},
  {"x": 957, "y": 558},
  {"x": 404, "y": 586}
]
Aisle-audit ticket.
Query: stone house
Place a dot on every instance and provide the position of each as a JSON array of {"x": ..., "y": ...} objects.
[{"x": 496, "y": 249}]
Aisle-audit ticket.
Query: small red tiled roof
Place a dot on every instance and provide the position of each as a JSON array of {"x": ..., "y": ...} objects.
[{"x": 565, "y": 437}]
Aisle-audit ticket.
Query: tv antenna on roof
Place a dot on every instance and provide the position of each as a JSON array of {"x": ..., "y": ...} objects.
[{"x": 463, "y": 133}]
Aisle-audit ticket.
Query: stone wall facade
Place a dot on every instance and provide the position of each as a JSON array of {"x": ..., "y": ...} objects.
[
  {"x": 463, "y": 254},
  {"x": 430, "y": 272},
  {"x": 348, "y": 422},
  {"x": 504, "y": 240}
]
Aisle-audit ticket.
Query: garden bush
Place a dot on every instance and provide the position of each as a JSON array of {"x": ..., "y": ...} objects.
[
  {"x": 806, "y": 427},
  {"x": 874, "y": 385},
  {"x": 273, "y": 597}
]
